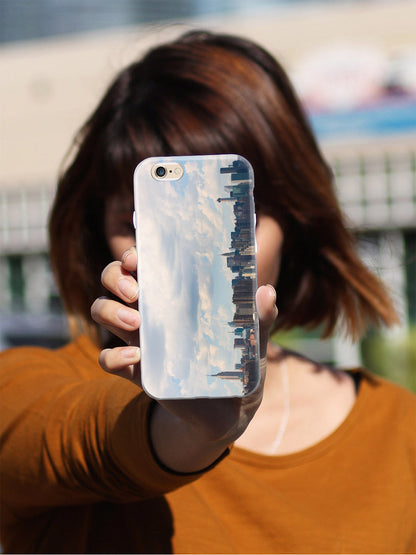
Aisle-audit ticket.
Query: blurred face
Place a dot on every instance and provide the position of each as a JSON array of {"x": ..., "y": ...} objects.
[
  {"x": 120, "y": 236},
  {"x": 269, "y": 239},
  {"x": 118, "y": 226}
]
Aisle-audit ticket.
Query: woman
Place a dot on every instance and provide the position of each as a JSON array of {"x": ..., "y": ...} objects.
[{"x": 316, "y": 460}]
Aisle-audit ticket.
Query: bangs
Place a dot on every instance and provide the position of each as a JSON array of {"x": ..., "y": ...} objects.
[{"x": 205, "y": 101}]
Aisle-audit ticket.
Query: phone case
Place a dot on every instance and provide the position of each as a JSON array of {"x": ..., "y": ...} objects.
[{"x": 197, "y": 277}]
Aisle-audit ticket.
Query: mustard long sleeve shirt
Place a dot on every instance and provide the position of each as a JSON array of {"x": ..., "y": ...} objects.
[{"x": 78, "y": 474}]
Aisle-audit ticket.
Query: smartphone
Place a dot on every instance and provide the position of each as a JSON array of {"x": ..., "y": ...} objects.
[{"x": 197, "y": 275}]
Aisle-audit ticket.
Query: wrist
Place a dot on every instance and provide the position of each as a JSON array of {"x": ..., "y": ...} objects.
[{"x": 182, "y": 447}]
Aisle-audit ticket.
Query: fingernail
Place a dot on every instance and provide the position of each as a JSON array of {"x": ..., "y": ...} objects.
[
  {"x": 128, "y": 316},
  {"x": 131, "y": 354},
  {"x": 128, "y": 288},
  {"x": 273, "y": 290},
  {"x": 126, "y": 254}
]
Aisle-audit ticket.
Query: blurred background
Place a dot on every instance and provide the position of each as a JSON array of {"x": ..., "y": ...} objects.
[{"x": 354, "y": 67}]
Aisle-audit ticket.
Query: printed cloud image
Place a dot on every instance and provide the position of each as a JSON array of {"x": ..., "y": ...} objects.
[{"x": 197, "y": 279}]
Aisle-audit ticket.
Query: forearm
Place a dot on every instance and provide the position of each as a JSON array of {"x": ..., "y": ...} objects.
[{"x": 67, "y": 441}]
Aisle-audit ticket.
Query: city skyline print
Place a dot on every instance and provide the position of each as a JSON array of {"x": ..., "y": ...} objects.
[{"x": 197, "y": 278}]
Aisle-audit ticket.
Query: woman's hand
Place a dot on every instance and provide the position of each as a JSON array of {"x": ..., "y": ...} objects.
[
  {"x": 123, "y": 321},
  {"x": 187, "y": 435}
]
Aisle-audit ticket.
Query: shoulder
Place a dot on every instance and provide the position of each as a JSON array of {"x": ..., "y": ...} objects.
[
  {"x": 388, "y": 404},
  {"x": 79, "y": 357},
  {"x": 382, "y": 388}
]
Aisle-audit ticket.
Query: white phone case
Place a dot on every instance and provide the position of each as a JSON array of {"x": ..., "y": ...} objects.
[{"x": 195, "y": 233}]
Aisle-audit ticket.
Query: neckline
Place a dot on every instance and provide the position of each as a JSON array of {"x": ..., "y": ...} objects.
[{"x": 318, "y": 449}]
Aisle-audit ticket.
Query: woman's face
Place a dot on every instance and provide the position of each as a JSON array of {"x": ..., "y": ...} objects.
[
  {"x": 119, "y": 231},
  {"x": 269, "y": 237},
  {"x": 118, "y": 226}
]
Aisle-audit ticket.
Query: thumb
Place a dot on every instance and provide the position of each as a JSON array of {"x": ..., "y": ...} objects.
[{"x": 267, "y": 311}]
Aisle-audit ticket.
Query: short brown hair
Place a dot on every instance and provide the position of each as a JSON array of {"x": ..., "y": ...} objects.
[{"x": 206, "y": 93}]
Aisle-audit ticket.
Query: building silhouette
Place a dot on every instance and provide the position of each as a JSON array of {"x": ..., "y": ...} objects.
[{"x": 241, "y": 261}]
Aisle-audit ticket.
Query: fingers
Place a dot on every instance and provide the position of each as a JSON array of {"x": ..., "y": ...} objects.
[
  {"x": 117, "y": 278},
  {"x": 123, "y": 361},
  {"x": 267, "y": 311},
  {"x": 121, "y": 320},
  {"x": 129, "y": 260}
]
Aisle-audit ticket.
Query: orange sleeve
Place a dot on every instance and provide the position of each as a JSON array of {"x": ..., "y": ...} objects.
[{"x": 72, "y": 435}]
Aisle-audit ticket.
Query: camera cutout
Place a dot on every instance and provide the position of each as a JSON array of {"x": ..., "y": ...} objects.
[
  {"x": 170, "y": 171},
  {"x": 160, "y": 171}
]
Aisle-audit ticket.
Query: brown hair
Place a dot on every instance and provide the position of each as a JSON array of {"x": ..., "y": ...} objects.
[{"x": 208, "y": 94}]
